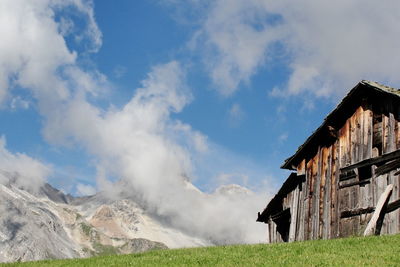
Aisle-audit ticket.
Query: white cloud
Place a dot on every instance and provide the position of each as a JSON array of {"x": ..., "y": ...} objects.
[
  {"x": 236, "y": 115},
  {"x": 19, "y": 103},
  {"x": 235, "y": 36},
  {"x": 85, "y": 190},
  {"x": 35, "y": 54},
  {"x": 335, "y": 44},
  {"x": 328, "y": 45},
  {"x": 152, "y": 153},
  {"x": 20, "y": 169},
  {"x": 233, "y": 178},
  {"x": 196, "y": 140},
  {"x": 140, "y": 144}
]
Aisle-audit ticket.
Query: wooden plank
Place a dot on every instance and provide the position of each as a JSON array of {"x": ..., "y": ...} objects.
[
  {"x": 334, "y": 196},
  {"x": 322, "y": 200},
  {"x": 385, "y": 134},
  {"x": 269, "y": 231},
  {"x": 382, "y": 183},
  {"x": 301, "y": 168},
  {"x": 356, "y": 136},
  {"x": 298, "y": 213},
  {"x": 365, "y": 190},
  {"x": 327, "y": 201},
  {"x": 362, "y": 182},
  {"x": 307, "y": 197},
  {"x": 397, "y": 118},
  {"x": 377, "y": 132},
  {"x": 345, "y": 227},
  {"x": 372, "y": 225},
  {"x": 368, "y": 129},
  {"x": 373, "y": 161},
  {"x": 317, "y": 169},
  {"x": 360, "y": 134},
  {"x": 351, "y": 140},
  {"x": 343, "y": 144},
  {"x": 300, "y": 234},
  {"x": 391, "y": 217},
  {"x": 397, "y": 128},
  {"x": 356, "y": 212},
  {"x": 387, "y": 167},
  {"x": 273, "y": 232},
  {"x": 348, "y": 144},
  {"x": 395, "y": 197},
  {"x": 365, "y": 200},
  {"x": 391, "y": 141},
  {"x": 293, "y": 220}
]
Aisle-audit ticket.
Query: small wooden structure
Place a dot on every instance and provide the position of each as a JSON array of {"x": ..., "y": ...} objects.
[{"x": 342, "y": 171}]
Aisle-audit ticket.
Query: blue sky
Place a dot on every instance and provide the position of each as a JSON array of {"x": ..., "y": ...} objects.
[{"x": 255, "y": 78}]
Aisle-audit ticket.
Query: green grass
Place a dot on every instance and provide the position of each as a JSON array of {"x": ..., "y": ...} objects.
[{"x": 371, "y": 251}]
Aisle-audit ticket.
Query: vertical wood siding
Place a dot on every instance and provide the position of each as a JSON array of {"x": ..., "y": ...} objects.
[{"x": 318, "y": 203}]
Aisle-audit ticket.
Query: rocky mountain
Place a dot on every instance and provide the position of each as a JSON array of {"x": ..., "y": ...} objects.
[{"x": 49, "y": 224}]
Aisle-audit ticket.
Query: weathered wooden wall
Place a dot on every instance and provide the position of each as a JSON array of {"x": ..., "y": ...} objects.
[{"x": 342, "y": 184}]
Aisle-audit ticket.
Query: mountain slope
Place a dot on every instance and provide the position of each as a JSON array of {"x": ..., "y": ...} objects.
[{"x": 50, "y": 224}]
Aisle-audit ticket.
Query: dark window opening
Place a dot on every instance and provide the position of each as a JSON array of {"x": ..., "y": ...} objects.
[
  {"x": 364, "y": 173},
  {"x": 282, "y": 220}
]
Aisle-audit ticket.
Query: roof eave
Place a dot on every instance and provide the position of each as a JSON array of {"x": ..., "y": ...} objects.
[{"x": 290, "y": 163}]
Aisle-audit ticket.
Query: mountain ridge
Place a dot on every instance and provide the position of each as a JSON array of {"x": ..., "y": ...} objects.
[{"x": 50, "y": 224}]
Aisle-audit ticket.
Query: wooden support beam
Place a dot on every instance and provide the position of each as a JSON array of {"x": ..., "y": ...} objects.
[
  {"x": 389, "y": 166},
  {"x": 362, "y": 182},
  {"x": 383, "y": 199},
  {"x": 347, "y": 175},
  {"x": 393, "y": 206},
  {"x": 355, "y": 212},
  {"x": 373, "y": 161}
]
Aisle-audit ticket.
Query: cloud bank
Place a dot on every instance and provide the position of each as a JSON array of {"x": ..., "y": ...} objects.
[
  {"x": 138, "y": 149},
  {"x": 21, "y": 170},
  {"x": 328, "y": 46}
]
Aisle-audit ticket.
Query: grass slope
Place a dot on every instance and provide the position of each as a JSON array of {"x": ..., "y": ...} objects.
[{"x": 357, "y": 251}]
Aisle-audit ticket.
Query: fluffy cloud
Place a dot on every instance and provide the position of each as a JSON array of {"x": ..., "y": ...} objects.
[
  {"x": 235, "y": 36},
  {"x": 20, "y": 169},
  {"x": 151, "y": 155},
  {"x": 85, "y": 189},
  {"x": 35, "y": 54},
  {"x": 147, "y": 151},
  {"x": 335, "y": 44},
  {"x": 327, "y": 45}
]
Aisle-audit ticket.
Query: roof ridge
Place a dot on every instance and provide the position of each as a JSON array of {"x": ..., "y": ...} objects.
[
  {"x": 373, "y": 85},
  {"x": 379, "y": 85}
]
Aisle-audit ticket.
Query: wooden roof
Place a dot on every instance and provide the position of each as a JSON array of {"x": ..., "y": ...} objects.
[{"x": 337, "y": 117}]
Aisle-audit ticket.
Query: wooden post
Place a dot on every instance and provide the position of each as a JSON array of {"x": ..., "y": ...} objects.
[
  {"x": 370, "y": 230},
  {"x": 293, "y": 221}
]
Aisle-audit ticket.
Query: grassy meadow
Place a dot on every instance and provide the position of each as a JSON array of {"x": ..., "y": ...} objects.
[{"x": 356, "y": 251}]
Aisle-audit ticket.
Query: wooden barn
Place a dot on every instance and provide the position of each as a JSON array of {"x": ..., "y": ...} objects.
[{"x": 346, "y": 174}]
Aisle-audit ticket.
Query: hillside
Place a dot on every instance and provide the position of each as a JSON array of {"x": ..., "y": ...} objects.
[
  {"x": 48, "y": 225},
  {"x": 381, "y": 250}
]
